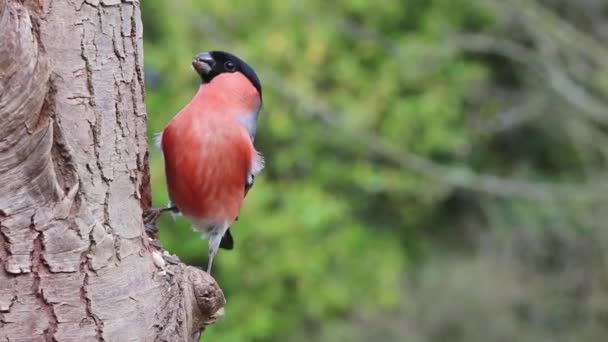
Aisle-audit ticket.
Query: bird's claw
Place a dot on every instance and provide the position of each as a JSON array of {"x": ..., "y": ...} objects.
[
  {"x": 151, "y": 228},
  {"x": 152, "y": 215}
]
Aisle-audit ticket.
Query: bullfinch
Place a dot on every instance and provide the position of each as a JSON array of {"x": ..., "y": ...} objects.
[{"x": 210, "y": 160}]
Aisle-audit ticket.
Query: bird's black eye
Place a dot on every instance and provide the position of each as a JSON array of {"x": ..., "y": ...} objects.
[{"x": 229, "y": 66}]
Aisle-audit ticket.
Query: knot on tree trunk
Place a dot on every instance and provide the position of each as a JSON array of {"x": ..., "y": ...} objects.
[{"x": 203, "y": 300}]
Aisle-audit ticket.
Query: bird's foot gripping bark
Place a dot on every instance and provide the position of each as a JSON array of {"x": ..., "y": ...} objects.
[
  {"x": 150, "y": 218},
  {"x": 152, "y": 215}
]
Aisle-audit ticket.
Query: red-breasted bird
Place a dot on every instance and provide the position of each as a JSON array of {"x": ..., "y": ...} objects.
[{"x": 210, "y": 160}]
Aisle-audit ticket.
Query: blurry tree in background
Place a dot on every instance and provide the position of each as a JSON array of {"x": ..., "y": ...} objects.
[{"x": 435, "y": 169}]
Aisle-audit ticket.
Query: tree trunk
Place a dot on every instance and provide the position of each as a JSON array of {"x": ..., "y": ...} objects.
[{"x": 76, "y": 263}]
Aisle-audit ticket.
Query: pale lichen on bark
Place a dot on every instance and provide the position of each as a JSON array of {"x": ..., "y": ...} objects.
[{"x": 76, "y": 263}]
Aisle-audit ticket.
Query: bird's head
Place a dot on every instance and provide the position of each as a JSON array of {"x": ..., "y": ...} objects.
[{"x": 211, "y": 64}]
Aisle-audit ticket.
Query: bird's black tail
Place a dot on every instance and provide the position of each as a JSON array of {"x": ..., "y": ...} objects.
[{"x": 227, "y": 241}]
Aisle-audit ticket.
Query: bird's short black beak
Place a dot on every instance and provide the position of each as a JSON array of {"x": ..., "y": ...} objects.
[{"x": 203, "y": 63}]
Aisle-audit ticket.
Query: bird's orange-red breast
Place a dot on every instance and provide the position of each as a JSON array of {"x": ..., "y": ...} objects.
[{"x": 208, "y": 146}]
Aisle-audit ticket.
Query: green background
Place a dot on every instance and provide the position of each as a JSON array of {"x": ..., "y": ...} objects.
[{"x": 435, "y": 169}]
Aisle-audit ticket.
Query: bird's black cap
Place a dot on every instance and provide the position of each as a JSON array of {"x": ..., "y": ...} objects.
[{"x": 213, "y": 63}]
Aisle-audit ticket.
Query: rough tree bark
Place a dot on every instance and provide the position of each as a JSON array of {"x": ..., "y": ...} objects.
[{"x": 76, "y": 263}]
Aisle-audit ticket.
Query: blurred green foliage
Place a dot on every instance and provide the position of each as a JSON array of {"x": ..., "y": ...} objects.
[{"x": 409, "y": 159}]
